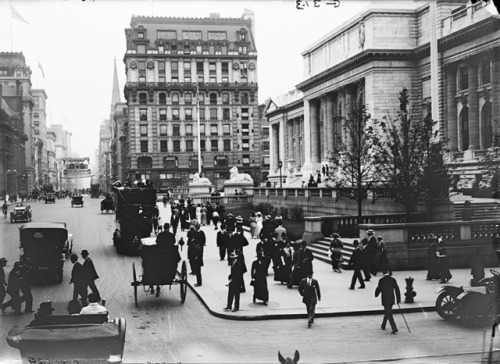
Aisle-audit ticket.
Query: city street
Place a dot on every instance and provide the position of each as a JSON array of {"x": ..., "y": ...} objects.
[{"x": 164, "y": 330}]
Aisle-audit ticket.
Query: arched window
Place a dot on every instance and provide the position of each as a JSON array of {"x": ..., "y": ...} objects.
[
  {"x": 163, "y": 98},
  {"x": 213, "y": 98}
]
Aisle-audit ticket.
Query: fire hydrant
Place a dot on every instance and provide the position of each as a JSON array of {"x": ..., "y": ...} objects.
[{"x": 410, "y": 293}]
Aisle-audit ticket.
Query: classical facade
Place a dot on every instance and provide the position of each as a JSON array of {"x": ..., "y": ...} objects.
[
  {"x": 444, "y": 52},
  {"x": 16, "y": 136},
  {"x": 182, "y": 69},
  {"x": 39, "y": 116}
]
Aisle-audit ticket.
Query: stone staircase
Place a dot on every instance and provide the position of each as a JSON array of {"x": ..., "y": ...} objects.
[
  {"x": 320, "y": 249},
  {"x": 482, "y": 210}
]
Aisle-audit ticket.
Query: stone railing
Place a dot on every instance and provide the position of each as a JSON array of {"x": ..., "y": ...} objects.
[
  {"x": 464, "y": 18},
  {"x": 225, "y": 200},
  {"x": 319, "y": 192}
]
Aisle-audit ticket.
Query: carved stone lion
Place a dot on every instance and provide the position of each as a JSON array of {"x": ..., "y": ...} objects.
[
  {"x": 200, "y": 180},
  {"x": 239, "y": 177}
]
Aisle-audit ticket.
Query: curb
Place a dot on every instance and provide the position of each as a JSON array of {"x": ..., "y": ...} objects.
[{"x": 304, "y": 315}]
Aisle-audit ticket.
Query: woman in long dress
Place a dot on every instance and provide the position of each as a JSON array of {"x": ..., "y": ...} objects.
[
  {"x": 259, "y": 279},
  {"x": 258, "y": 218},
  {"x": 336, "y": 252},
  {"x": 203, "y": 215},
  {"x": 253, "y": 225},
  {"x": 433, "y": 267},
  {"x": 444, "y": 264},
  {"x": 198, "y": 213}
]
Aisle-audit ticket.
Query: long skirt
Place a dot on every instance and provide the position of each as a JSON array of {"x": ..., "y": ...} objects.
[
  {"x": 336, "y": 258},
  {"x": 260, "y": 291},
  {"x": 203, "y": 219},
  {"x": 282, "y": 273}
]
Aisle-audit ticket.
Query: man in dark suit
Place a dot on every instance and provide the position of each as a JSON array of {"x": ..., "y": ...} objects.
[
  {"x": 238, "y": 268},
  {"x": 311, "y": 294},
  {"x": 78, "y": 281},
  {"x": 165, "y": 239},
  {"x": 90, "y": 273},
  {"x": 371, "y": 252},
  {"x": 356, "y": 262},
  {"x": 388, "y": 287}
]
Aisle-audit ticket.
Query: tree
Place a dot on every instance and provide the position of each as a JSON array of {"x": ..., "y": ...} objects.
[
  {"x": 405, "y": 155},
  {"x": 355, "y": 156}
]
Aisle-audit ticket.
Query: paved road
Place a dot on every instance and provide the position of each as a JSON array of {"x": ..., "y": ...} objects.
[{"x": 164, "y": 330}]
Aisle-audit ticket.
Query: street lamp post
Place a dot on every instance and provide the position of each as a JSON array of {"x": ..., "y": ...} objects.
[{"x": 280, "y": 164}]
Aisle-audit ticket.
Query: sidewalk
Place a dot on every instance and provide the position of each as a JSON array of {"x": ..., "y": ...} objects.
[{"x": 285, "y": 303}]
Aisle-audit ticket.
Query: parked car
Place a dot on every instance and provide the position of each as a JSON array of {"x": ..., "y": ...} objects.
[
  {"x": 50, "y": 197},
  {"x": 46, "y": 246},
  {"x": 21, "y": 213}
]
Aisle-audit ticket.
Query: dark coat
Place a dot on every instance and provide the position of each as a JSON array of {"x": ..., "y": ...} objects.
[
  {"x": 310, "y": 293},
  {"x": 357, "y": 260},
  {"x": 77, "y": 274},
  {"x": 259, "y": 279},
  {"x": 222, "y": 239},
  {"x": 165, "y": 240},
  {"x": 90, "y": 272},
  {"x": 389, "y": 288},
  {"x": 236, "y": 276}
]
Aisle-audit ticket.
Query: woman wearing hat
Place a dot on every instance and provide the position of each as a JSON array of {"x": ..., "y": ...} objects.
[
  {"x": 336, "y": 252},
  {"x": 258, "y": 219},
  {"x": 259, "y": 279}
]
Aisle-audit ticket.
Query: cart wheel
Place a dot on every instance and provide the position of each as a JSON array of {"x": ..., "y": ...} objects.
[
  {"x": 183, "y": 282},
  {"x": 122, "y": 329},
  {"x": 135, "y": 284}
]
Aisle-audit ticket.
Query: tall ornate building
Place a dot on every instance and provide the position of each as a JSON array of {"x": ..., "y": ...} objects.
[
  {"x": 446, "y": 53},
  {"x": 52, "y": 165},
  {"x": 39, "y": 116},
  {"x": 171, "y": 65},
  {"x": 16, "y": 142}
]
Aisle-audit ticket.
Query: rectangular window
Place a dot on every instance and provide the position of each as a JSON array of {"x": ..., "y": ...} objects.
[
  {"x": 244, "y": 113},
  {"x": 163, "y": 98},
  {"x": 142, "y": 78},
  {"x": 225, "y": 79},
  {"x": 198, "y": 49},
  {"x": 211, "y": 50},
  {"x": 187, "y": 79},
  {"x": 177, "y": 145},
  {"x": 144, "y": 130},
  {"x": 37, "y": 123},
  {"x": 174, "y": 66},
  {"x": 265, "y": 146},
  {"x": 189, "y": 114},
  {"x": 143, "y": 114},
  {"x": 189, "y": 130},
  {"x": 161, "y": 67},
  {"x": 166, "y": 34},
  {"x": 225, "y": 68},
  {"x": 144, "y": 146},
  {"x": 189, "y": 145},
  {"x": 213, "y": 98},
  {"x": 188, "y": 98},
  {"x": 175, "y": 79},
  {"x": 202, "y": 113},
  {"x": 266, "y": 161},
  {"x": 161, "y": 79},
  {"x": 244, "y": 129},
  {"x": 485, "y": 71},
  {"x": 225, "y": 114},
  {"x": 227, "y": 145},
  {"x": 242, "y": 49},
  {"x": 464, "y": 78},
  {"x": 187, "y": 49},
  {"x": 163, "y": 129},
  {"x": 175, "y": 114},
  {"x": 214, "y": 145},
  {"x": 246, "y": 160},
  {"x": 213, "y": 129},
  {"x": 203, "y": 146},
  {"x": 37, "y": 132},
  {"x": 212, "y": 79},
  {"x": 212, "y": 68},
  {"x": 163, "y": 146},
  {"x": 226, "y": 128},
  {"x": 202, "y": 129},
  {"x": 245, "y": 144},
  {"x": 140, "y": 35},
  {"x": 170, "y": 163},
  {"x": 163, "y": 114},
  {"x": 176, "y": 130},
  {"x": 201, "y": 98},
  {"x": 225, "y": 98},
  {"x": 141, "y": 48},
  {"x": 201, "y": 78},
  {"x": 142, "y": 65},
  {"x": 187, "y": 67},
  {"x": 199, "y": 67},
  {"x": 213, "y": 114}
]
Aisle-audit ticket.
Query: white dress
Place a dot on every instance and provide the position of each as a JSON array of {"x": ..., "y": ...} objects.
[
  {"x": 198, "y": 214},
  {"x": 259, "y": 225}
]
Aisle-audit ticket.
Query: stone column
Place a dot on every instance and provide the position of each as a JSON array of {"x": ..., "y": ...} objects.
[
  {"x": 329, "y": 123},
  {"x": 275, "y": 147},
  {"x": 473, "y": 106},
  {"x": 348, "y": 109},
  {"x": 298, "y": 141},
  {"x": 290, "y": 134},
  {"x": 451, "y": 90},
  {"x": 315, "y": 133},
  {"x": 495, "y": 91}
]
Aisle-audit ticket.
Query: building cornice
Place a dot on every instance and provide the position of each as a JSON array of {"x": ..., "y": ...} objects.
[
  {"x": 361, "y": 58},
  {"x": 484, "y": 27},
  {"x": 297, "y": 104},
  {"x": 139, "y": 20}
]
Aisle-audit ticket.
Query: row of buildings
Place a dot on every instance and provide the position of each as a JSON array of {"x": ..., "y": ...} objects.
[
  {"x": 179, "y": 70},
  {"x": 30, "y": 151}
]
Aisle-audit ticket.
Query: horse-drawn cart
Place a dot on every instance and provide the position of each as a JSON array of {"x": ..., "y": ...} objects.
[{"x": 159, "y": 268}]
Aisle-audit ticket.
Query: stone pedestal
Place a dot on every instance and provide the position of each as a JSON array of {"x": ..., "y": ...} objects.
[
  {"x": 243, "y": 188},
  {"x": 200, "y": 189}
]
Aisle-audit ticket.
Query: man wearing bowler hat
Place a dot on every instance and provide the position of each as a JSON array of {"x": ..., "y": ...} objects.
[
  {"x": 90, "y": 273},
  {"x": 371, "y": 252},
  {"x": 238, "y": 268},
  {"x": 311, "y": 294}
]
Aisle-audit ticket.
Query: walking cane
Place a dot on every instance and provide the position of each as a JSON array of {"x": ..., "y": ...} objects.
[{"x": 408, "y": 327}]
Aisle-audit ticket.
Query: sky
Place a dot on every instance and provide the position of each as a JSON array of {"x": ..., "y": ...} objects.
[{"x": 76, "y": 41}]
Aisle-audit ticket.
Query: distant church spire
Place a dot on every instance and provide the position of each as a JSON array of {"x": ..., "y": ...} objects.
[{"x": 115, "y": 98}]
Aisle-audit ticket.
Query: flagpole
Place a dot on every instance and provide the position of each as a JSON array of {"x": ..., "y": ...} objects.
[{"x": 199, "y": 127}]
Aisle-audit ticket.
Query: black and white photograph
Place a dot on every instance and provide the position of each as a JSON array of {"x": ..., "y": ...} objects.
[{"x": 249, "y": 181}]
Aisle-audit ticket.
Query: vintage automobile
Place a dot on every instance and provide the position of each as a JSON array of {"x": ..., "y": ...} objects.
[
  {"x": 46, "y": 246},
  {"x": 50, "y": 197},
  {"x": 159, "y": 267},
  {"x": 107, "y": 205},
  {"x": 77, "y": 200},
  {"x": 70, "y": 339},
  {"x": 21, "y": 213}
]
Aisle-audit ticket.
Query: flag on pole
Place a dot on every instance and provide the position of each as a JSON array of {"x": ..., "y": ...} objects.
[
  {"x": 15, "y": 15},
  {"x": 41, "y": 69}
]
